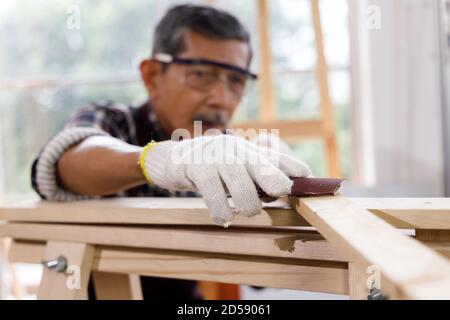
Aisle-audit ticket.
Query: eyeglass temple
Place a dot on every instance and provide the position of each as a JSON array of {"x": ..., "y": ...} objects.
[{"x": 167, "y": 58}]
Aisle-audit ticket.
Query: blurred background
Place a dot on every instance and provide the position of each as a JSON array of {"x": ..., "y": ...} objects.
[{"x": 377, "y": 115}]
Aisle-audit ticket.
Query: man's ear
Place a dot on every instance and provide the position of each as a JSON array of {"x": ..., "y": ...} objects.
[{"x": 151, "y": 72}]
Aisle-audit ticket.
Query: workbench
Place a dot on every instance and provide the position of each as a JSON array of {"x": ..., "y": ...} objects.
[{"x": 322, "y": 244}]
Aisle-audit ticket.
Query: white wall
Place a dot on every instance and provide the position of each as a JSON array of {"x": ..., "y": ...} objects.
[{"x": 397, "y": 107}]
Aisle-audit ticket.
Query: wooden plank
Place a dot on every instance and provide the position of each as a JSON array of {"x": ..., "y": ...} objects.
[
  {"x": 326, "y": 107},
  {"x": 408, "y": 213},
  {"x": 440, "y": 247},
  {"x": 433, "y": 235},
  {"x": 405, "y": 204},
  {"x": 288, "y": 130},
  {"x": 289, "y": 244},
  {"x": 266, "y": 97},
  {"x": 295, "y": 274},
  {"x": 438, "y": 240},
  {"x": 54, "y": 285},
  {"x": 32, "y": 252},
  {"x": 117, "y": 286},
  {"x": 410, "y": 269},
  {"x": 16, "y": 289},
  {"x": 259, "y": 271},
  {"x": 357, "y": 278},
  {"x": 412, "y": 213},
  {"x": 172, "y": 211}
]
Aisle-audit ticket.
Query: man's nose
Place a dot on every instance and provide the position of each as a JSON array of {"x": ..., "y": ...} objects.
[{"x": 220, "y": 95}]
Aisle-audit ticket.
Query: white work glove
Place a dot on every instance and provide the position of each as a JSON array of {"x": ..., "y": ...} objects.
[{"x": 213, "y": 165}]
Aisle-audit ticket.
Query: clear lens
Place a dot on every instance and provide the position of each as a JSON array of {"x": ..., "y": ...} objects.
[{"x": 203, "y": 78}]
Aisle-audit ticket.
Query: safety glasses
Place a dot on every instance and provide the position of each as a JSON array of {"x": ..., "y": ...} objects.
[{"x": 202, "y": 74}]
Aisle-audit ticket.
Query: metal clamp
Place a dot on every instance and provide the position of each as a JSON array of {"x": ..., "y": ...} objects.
[{"x": 59, "y": 264}]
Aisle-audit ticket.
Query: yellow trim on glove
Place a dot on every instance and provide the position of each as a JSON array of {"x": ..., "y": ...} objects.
[{"x": 144, "y": 153}]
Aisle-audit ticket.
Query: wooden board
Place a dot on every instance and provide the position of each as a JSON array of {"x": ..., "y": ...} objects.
[
  {"x": 237, "y": 269},
  {"x": 411, "y": 213},
  {"x": 409, "y": 268},
  {"x": 357, "y": 279},
  {"x": 292, "y": 244},
  {"x": 247, "y": 270},
  {"x": 164, "y": 211},
  {"x": 54, "y": 285},
  {"x": 326, "y": 106},
  {"x": 289, "y": 130}
]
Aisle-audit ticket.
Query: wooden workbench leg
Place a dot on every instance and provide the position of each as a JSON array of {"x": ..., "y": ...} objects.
[
  {"x": 66, "y": 285},
  {"x": 15, "y": 288},
  {"x": 117, "y": 286},
  {"x": 357, "y": 276}
]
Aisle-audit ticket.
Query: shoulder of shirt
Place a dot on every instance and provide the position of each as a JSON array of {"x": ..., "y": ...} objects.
[{"x": 108, "y": 107}]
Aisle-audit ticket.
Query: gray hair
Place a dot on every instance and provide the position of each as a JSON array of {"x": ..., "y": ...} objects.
[{"x": 204, "y": 20}]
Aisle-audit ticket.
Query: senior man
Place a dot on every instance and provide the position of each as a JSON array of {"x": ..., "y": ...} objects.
[{"x": 198, "y": 71}]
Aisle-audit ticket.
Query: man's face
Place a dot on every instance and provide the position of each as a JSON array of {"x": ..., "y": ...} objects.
[{"x": 178, "y": 103}]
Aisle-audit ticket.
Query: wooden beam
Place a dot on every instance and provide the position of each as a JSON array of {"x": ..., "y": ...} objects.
[
  {"x": 405, "y": 213},
  {"x": 288, "y": 244},
  {"x": 266, "y": 84},
  {"x": 276, "y": 273},
  {"x": 410, "y": 270},
  {"x": 247, "y": 270},
  {"x": 438, "y": 240},
  {"x": 440, "y": 247},
  {"x": 173, "y": 211},
  {"x": 32, "y": 252},
  {"x": 412, "y": 213},
  {"x": 433, "y": 235},
  {"x": 326, "y": 107},
  {"x": 54, "y": 285},
  {"x": 300, "y": 129},
  {"x": 357, "y": 277}
]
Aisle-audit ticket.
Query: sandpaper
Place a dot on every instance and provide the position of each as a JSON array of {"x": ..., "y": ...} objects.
[{"x": 304, "y": 187}]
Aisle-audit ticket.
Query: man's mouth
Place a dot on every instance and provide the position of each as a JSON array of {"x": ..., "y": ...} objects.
[{"x": 213, "y": 119}]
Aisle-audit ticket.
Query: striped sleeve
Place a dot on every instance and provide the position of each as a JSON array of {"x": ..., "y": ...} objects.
[{"x": 44, "y": 168}]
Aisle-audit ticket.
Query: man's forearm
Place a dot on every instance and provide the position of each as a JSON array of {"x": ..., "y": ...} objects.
[{"x": 100, "y": 166}]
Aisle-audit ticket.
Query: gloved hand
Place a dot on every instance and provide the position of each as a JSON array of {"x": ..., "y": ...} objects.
[
  {"x": 273, "y": 142},
  {"x": 213, "y": 165}
]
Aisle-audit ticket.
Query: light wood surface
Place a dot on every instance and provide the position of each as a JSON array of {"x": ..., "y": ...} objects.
[
  {"x": 297, "y": 274},
  {"x": 326, "y": 107},
  {"x": 164, "y": 211},
  {"x": 407, "y": 213},
  {"x": 407, "y": 265},
  {"x": 292, "y": 244},
  {"x": 410, "y": 213},
  {"x": 54, "y": 285},
  {"x": 357, "y": 277},
  {"x": 266, "y": 97},
  {"x": 126, "y": 241}
]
